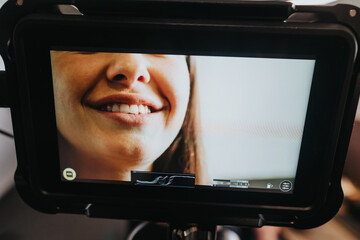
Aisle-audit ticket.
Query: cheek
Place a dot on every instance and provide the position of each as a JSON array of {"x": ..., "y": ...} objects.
[
  {"x": 72, "y": 82},
  {"x": 172, "y": 79},
  {"x": 180, "y": 91}
]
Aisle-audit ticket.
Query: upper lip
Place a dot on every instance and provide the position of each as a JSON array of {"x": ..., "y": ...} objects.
[{"x": 126, "y": 98}]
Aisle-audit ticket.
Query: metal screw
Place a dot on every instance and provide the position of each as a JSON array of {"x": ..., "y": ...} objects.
[
  {"x": 19, "y": 2},
  {"x": 353, "y": 13}
]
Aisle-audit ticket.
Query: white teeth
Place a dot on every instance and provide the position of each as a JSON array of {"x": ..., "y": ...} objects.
[
  {"x": 125, "y": 108},
  {"x": 141, "y": 109},
  {"x": 115, "y": 108},
  {"x": 134, "y": 109},
  {"x": 109, "y": 108}
]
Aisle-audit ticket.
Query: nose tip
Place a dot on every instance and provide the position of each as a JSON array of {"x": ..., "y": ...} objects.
[{"x": 128, "y": 70}]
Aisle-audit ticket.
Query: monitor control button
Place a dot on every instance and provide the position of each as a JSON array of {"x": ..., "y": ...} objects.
[
  {"x": 69, "y": 174},
  {"x": 285, "y": 186}
]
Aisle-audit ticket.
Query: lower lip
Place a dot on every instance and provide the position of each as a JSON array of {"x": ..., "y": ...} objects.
[{"x": 128, "y": 118}]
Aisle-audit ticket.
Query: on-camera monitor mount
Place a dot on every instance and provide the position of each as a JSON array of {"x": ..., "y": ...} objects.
[{"x": 187, "y": 112}]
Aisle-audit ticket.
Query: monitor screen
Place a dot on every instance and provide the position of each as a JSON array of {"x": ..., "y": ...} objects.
[{"x": 180, "y": 121}]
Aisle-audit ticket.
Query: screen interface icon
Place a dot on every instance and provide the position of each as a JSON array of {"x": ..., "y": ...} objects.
[{"x": 69, "y": 174}]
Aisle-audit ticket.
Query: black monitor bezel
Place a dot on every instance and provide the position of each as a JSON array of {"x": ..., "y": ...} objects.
[{"x": 333, "y": 46}]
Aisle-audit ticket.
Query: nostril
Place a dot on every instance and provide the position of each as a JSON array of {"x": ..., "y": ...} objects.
[
  {"x": 141, "y": 78},
  {"x": 119, "y": 77}
]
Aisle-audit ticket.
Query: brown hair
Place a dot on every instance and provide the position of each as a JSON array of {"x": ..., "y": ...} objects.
[{"x": 185, "y": 153}]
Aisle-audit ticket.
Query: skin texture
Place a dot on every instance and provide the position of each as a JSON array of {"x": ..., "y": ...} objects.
[{"x": 102, "y": 145}]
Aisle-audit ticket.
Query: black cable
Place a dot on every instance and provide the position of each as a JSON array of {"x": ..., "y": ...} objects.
[
  {"x": 136, "y": 230},
  {"x": 6, "y": 133}
]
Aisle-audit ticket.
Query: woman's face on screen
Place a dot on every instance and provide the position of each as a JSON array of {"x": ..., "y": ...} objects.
[{"x": 118, "y": 107}]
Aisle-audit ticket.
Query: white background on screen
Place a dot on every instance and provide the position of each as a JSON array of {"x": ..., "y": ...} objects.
[{"x": 252, "y": 114}]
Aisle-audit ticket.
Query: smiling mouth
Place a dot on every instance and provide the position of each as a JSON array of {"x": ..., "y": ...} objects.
[{"x": 125, "y": 108}]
